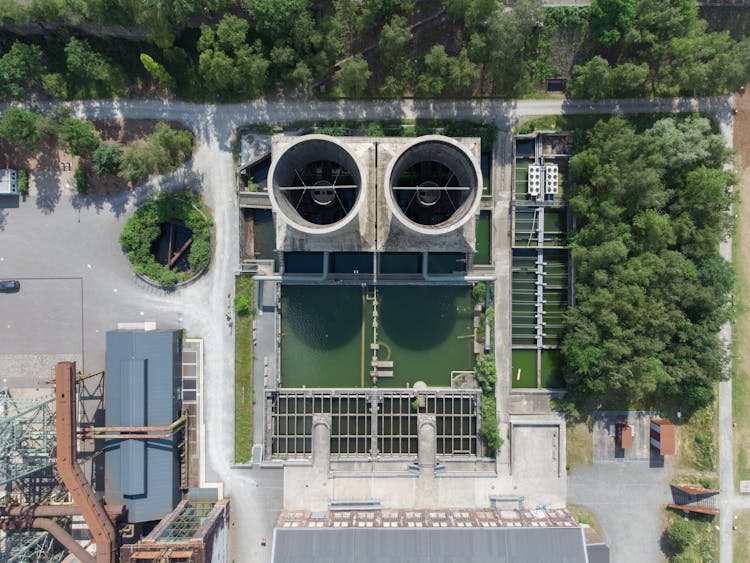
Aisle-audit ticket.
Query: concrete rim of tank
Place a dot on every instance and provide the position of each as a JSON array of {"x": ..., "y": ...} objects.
[
  {"x": 465, "y": 212},
  {"x": 295, "y": 220}
]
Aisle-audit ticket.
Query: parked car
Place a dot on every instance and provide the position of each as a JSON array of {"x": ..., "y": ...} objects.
[{"x": 9, "y": 285}]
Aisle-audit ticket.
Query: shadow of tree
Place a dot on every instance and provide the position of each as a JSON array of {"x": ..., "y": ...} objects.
[{"x": 47, "y": 184}]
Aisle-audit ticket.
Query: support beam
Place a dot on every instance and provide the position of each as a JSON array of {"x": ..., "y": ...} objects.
[{"x": 92, "y": 509}]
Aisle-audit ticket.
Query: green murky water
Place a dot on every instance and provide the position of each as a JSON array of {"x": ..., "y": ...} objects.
[{"x": 327, "y": 331}]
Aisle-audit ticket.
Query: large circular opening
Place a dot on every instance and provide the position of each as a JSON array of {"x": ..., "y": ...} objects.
[
  {"x": 317, "y": 184},
  {"x": 434, "y": 185}
]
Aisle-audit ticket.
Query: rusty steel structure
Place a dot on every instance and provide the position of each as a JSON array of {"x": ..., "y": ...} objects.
[
  {"x": 27, "y": 436},
  {"x": 98, "y": 521}
]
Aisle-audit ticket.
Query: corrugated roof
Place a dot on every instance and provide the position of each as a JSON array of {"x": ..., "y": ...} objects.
[
  {"x": 666, "y": 436},
  {"x": 142, "y": 389},
  {"x": 426, "y": 545}
]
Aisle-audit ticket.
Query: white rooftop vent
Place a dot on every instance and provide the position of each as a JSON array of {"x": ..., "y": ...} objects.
[
  {"x": 534, "y": 187},
  {"x": 551, "y": 185}
]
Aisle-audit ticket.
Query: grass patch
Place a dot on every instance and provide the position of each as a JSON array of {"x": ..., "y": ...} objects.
[
  {"x": 579, "y": 447},
  {"x": 705, "y": 545},
  {"x": 243, "y": 372},
  {"x": 740, "y": 375},
  {"x": 742, "y": 538},
  {"x": 697, "y": 440},
  {"x": 584, "y": 517}
]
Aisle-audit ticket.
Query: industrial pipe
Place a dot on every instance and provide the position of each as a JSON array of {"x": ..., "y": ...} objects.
[{"x": 53, "y": 510}]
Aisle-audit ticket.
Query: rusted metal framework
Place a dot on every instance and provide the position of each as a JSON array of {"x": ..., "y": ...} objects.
[
  {"x": 27, "y": 436},
  {"x": 27, "y": 442},
  {"x": 30, "y": 545}
]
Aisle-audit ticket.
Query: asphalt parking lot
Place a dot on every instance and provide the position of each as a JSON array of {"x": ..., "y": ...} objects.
[{"x": 75, "y": 282}]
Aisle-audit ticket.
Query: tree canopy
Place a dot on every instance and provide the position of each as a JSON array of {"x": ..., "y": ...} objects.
[{"x": 651, "y": 288}]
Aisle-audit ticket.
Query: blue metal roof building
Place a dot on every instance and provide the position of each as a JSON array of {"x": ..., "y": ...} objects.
[{"x": 142, "y": 388}]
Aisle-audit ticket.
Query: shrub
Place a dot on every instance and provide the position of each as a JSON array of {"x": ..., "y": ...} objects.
[
  {"x": 161, "y": 152},
  {"x": 23, "y": 183},
  {"x": 486, "y": 373},
  {"x": 106, "y": 159},
  {"x": 81, "y": 184},
  {"x": 415, "y": 404},
  {"x": 375, "y": 129},
  {"x": 242, "y": 303},
  {"x": 680, "y": 535},
  {"x": 79, "y": 137},
  {"x": 488, "y": 430},
  {"x": 478, "y": 292}
]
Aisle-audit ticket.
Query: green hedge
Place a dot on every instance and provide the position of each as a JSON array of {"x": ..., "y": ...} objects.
[{"x": 143, "y": 228}]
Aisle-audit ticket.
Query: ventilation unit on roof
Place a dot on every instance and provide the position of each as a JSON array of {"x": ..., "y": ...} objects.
[
  {"x": 550, "y": 179},
  {"x": 534, "y": 186}
]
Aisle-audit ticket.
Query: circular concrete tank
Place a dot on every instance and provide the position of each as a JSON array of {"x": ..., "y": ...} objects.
[
  {"x": 316, "y": 184},
  {"x": 434, "y": 185}
]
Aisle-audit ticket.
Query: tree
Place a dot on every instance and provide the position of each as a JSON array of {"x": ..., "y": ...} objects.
[
  {"x": 301, "y": 77},
  {"x": 462, "y": 72},
  {"x": 432, "y": 81},
  {"x": 652, "y": 290},
  {"x": 157, "y": 71},
  {"x": 591, "y": 80},
  {"x": 508, "y": 48},
  {"x": 20, "y": 68},
  {"x": 394, "y": 40},
  {"x": 227, "y": 63},
  {"x": 106, "y": 159},
  {"x": 79, "y": 137},
  {"x": 353, "y": 76},
  {"x": 20, "y": 126},
  {"x": 611, "y": 20},
  {"x": 275, "y": 18},
  {"x": 90, "y": 72},
  {"x": 54, "y": 85}
]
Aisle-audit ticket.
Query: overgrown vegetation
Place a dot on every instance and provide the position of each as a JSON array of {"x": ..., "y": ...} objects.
[
  {"x": 23, "y": 183},
  {"x": 160, "y": 152},
  {"x": 659, "y": 49},
  {"x": 243, "y": 369},
  {"x": 143, "y": 228},
  {"x": 486, "y": 374},
  {"x": 652, "y": 290},
  {"x": 241, "y": 49},
  {"x": 695, "y": 539},
  {"x": 487, "y": 132}
]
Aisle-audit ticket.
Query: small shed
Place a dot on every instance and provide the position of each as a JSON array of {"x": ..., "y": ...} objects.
[
  {"x": 8, "y": 182},
  {"x": 624, "y": 435},
  {"x": 662, "y": 436},
  {"x": 142, "y": 389}
]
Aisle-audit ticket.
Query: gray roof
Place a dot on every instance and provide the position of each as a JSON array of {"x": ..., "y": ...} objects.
[
  {"x": 598, "y": 553},
  {"x": 429, "y": 545},
  {"x": 142, "y": 388}
]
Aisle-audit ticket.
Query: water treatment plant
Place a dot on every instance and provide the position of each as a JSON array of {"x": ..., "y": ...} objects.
[{"x": 384, "y": 273}]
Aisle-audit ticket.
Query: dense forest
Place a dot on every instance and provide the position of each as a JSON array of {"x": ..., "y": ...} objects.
[
  {"x": 652, "y": 290},
  {"x": 231, "y": 50}
]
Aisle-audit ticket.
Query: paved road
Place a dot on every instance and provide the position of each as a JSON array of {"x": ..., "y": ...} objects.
[
  {"x": 627, "y": 499},
  {"x": 200, "y": 307},
  {"x": 726, "y": 455}
]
